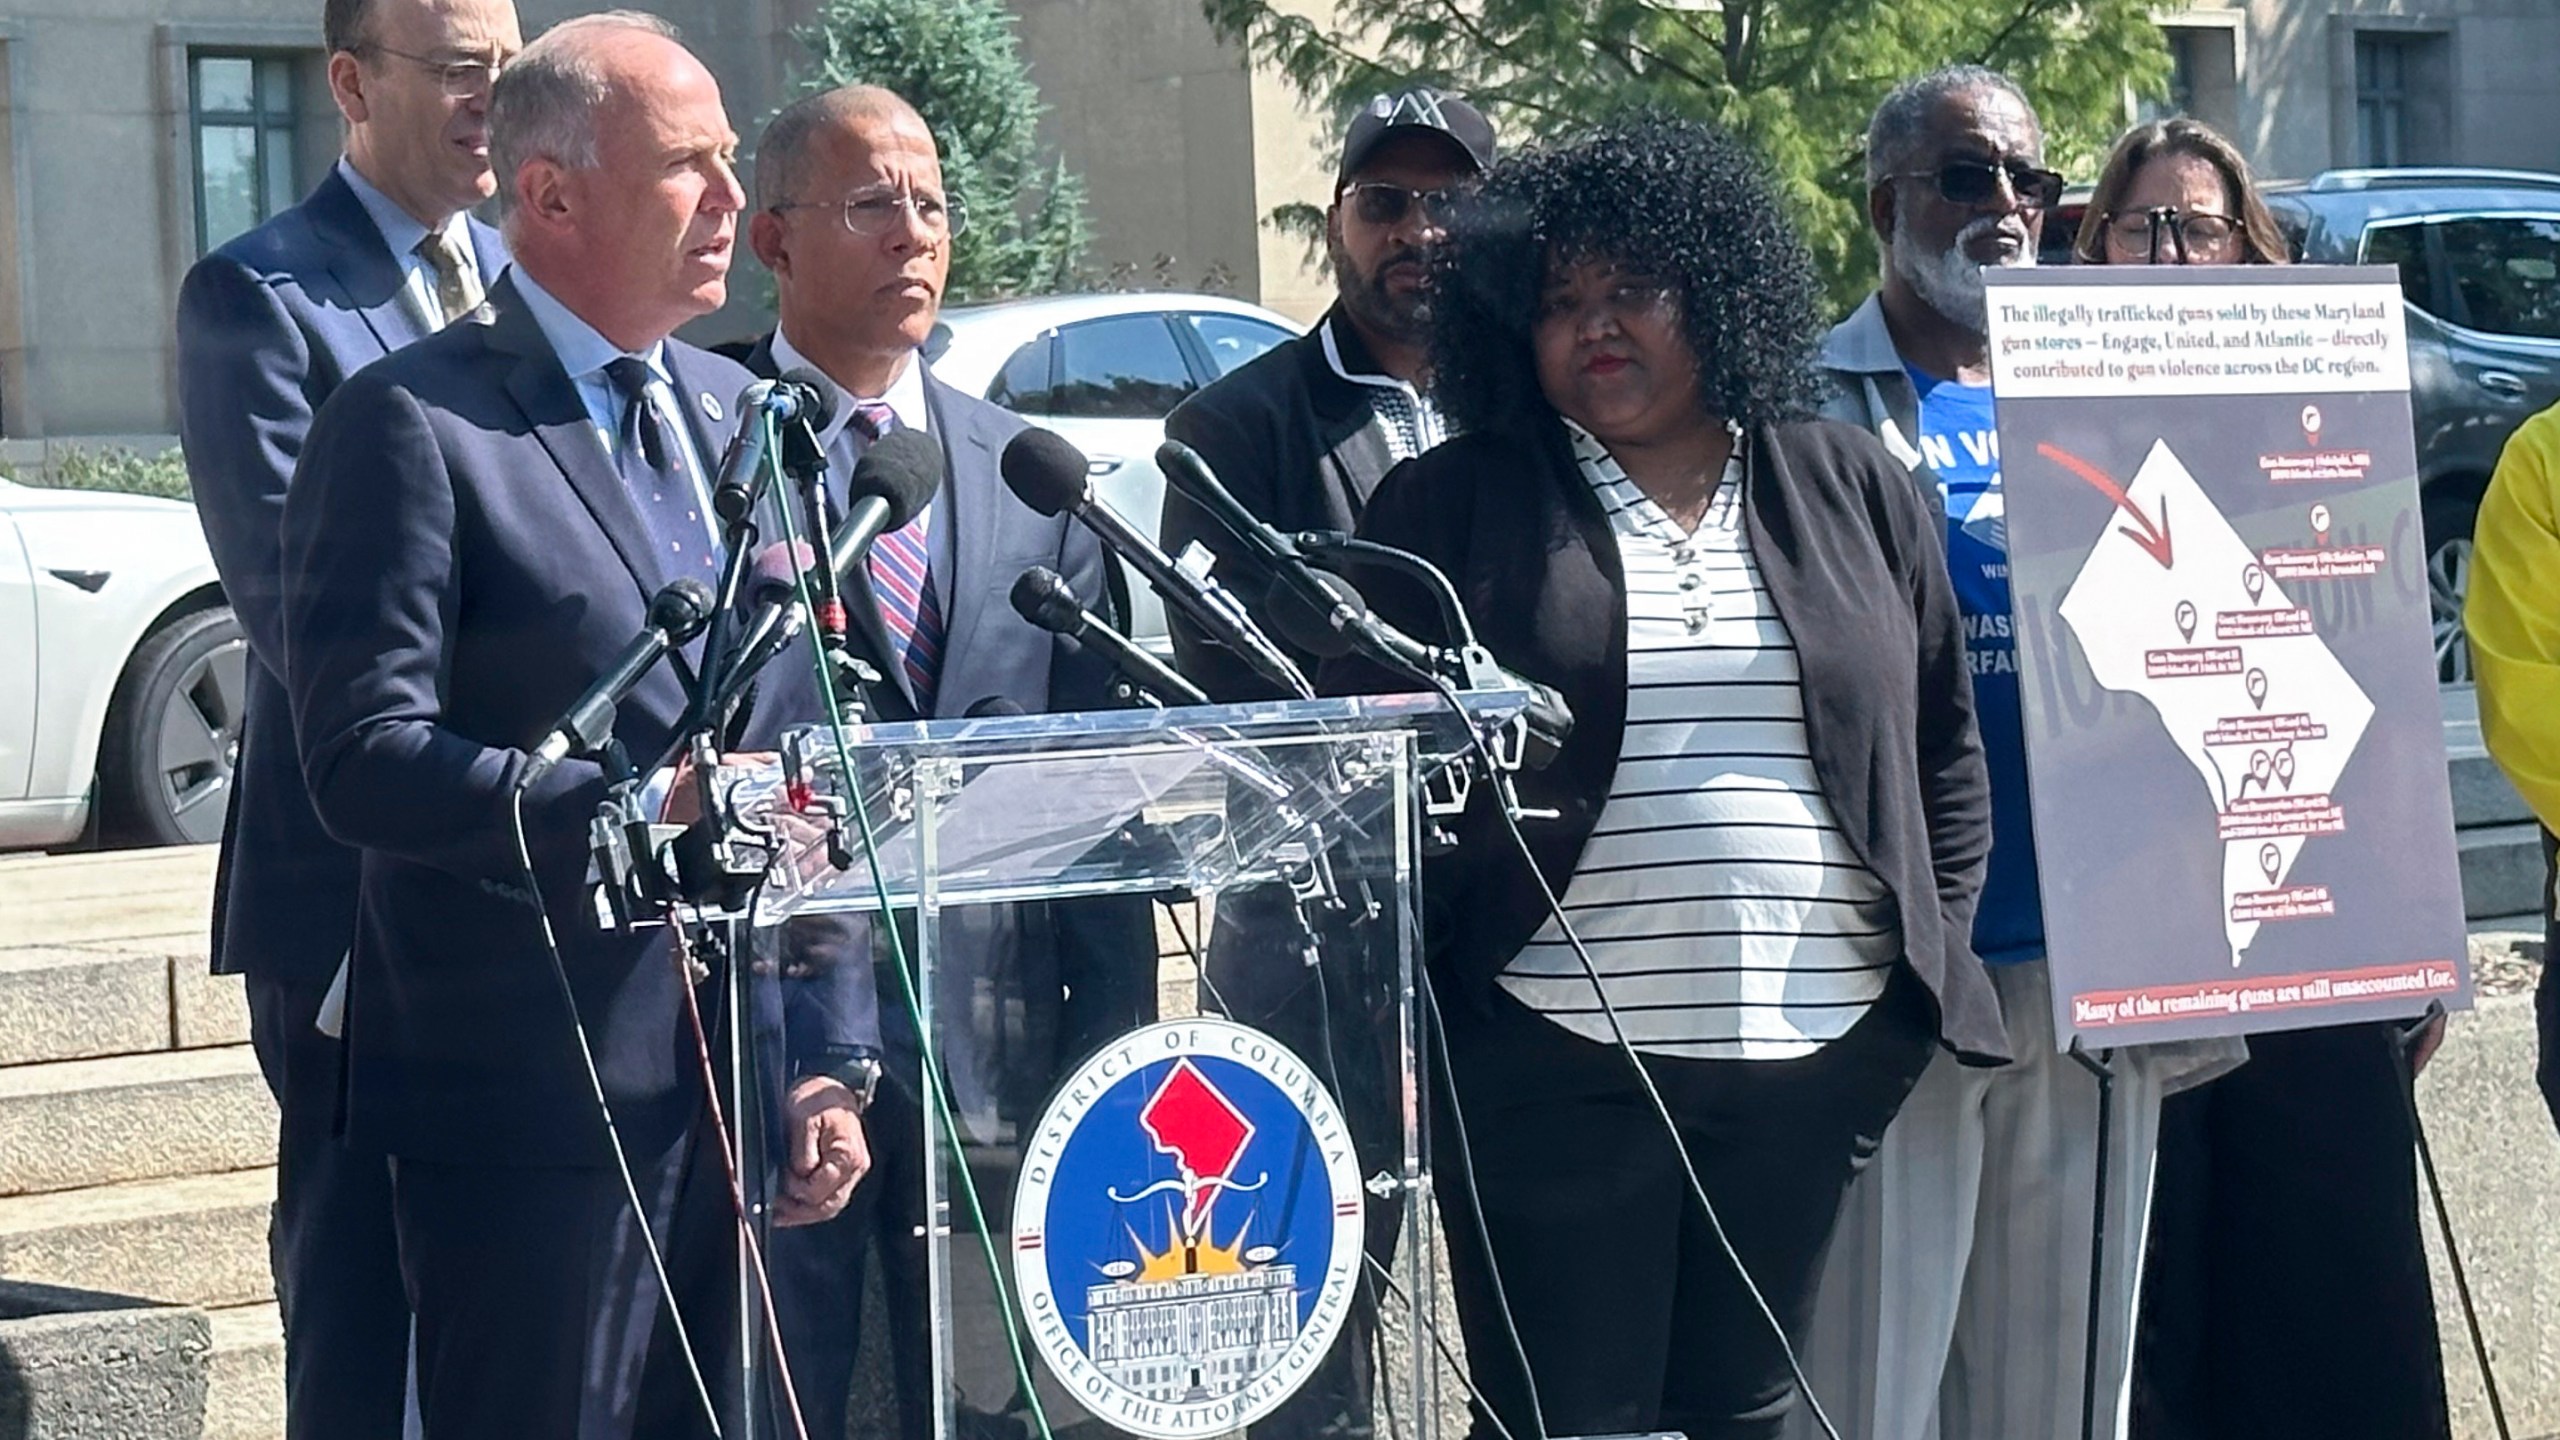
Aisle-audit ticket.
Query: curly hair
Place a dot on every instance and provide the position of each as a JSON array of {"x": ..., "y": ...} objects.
[{"x": 1679, "y": 201}]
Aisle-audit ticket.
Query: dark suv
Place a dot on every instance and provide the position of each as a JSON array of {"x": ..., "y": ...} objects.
[{"x": 2479, "y": 258}]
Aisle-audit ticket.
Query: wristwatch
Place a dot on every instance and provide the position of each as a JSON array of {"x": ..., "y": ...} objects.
[{"x": 858, "y": 1070}]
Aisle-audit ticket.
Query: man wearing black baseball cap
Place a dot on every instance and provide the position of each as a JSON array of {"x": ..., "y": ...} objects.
[{"x": 1303, "y": 433}]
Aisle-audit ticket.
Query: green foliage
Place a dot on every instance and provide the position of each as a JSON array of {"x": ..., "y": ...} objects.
[
  {"x": 116, "y": 467},
  {"x": 1799, "y": 77},
  {"x": 958, "y": 63}
]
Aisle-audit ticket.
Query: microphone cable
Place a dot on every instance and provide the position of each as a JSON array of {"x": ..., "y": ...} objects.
[
  {"x": 604, "y": 1109},
  {"x": 1644, "y": 1078}
]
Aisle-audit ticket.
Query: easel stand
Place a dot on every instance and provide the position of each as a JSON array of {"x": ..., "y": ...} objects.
[{"x": 2404, "y": 1048}]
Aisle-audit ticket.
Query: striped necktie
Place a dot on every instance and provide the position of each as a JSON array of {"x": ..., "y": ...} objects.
[{"x": 902, "y": 579}]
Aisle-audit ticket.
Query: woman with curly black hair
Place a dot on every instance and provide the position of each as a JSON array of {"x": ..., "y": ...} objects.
[{"x": 1768, "y": 823}]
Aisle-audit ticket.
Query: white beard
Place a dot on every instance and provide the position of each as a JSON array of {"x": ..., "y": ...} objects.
[{"x": 1950, "y": 282}]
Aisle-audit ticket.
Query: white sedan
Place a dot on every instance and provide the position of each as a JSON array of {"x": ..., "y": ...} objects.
[
  {"x": 1104, "y": 371},
  {"x": 122, "y": 672}
]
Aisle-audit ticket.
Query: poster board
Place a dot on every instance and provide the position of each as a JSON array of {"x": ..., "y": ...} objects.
[{"x": 2235, "y": 748}]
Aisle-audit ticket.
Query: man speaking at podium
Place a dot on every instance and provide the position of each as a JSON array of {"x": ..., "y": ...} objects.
[{"x": 474, "y": 533}]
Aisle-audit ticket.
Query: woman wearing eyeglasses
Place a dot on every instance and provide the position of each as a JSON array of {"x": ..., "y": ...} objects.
[
  {"x": 2286, "y": 1289},
  {"x": 2174, "y": 192},
  {"x": 1766, "y": 827}
]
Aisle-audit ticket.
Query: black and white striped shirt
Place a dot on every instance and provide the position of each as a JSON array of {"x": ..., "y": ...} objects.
[{"x": 1723, "y": 907}]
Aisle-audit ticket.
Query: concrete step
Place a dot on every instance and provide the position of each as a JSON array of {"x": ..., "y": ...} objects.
[
  {"x": 2501, "y": 869},
  {"x": 193, "y": 1240},
  {"x": 60, "y": 1003},
  {"x": 67, "y": 1124},
  {"x": 71, "y": 899},
  {"x": 2481, "y": 794},
  {"x": 244, "y": 1393}
]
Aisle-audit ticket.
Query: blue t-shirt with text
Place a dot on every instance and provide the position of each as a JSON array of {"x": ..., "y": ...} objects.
[{"x": 1959, "y": 442}]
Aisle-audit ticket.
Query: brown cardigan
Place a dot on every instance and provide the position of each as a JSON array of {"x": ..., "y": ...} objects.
[{"x": 1856, "y": 568}]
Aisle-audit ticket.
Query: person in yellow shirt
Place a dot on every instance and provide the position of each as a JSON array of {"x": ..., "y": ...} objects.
[{"x": 2513, "y": 619}]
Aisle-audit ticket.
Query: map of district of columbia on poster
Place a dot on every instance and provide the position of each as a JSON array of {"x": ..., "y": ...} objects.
[{"x": 2235, "y": 750}]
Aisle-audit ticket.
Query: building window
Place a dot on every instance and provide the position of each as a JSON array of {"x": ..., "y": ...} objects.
[
  {"x": 2382, "y": 99},
  {"x": 2204, "y": 76},
  {"x": 241, "y": 108}
]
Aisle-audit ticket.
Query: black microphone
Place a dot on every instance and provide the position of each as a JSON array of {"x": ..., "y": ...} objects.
[
  {"x": 800, "y": 395},
  {"x": 992, "y": 706},
  {"x": 890, "y": 485},
  {"x": 1327, "y": 596},
  {"x": 1051, "y": 476},
  {"x": 1043, "y": 597},
  {"x": 676, "y": 614}
]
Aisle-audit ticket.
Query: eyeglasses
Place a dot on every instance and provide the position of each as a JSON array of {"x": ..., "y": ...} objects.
[
  {"x": 2198, "y": 237},
  {"x": 874, "y": 213},
  {"x": 1377, "y": 202},
  {"x": 1977, "y": 183},
  {"x": 1623, "y": 301},
  {"x": 461, "y": 79}
]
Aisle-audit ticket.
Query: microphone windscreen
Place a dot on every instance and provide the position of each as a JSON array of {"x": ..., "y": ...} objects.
[
  {"x": 994, "y": 705},
  {"x": 904, "y": 468},
  {"x": 1045, "y": 470},
  {"x": 681, "y": 609},
  {"x": 822, "y": 395},
  {"x": 1043, "y": 597},
  {"x": 1299, "y": 625},
  {"x": 777, "y": 569}
]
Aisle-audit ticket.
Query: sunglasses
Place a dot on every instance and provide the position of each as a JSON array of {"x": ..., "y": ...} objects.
[
  {"x": 1377, "y": 202},
  {"x": 1978, "y": 182}
]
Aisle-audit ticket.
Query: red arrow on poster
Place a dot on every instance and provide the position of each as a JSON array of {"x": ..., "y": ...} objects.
[{"x": 2154, "y": 540}]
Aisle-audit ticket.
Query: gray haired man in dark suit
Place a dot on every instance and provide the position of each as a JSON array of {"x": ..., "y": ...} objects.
[
  {"x": 852, "y": 219},
  {"x": 383, "y": 252}
]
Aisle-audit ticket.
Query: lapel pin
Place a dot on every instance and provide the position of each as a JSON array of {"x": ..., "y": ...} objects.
[{"x": 710, "y": 406}]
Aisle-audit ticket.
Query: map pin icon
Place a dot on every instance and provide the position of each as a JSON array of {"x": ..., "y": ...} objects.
[
  {"x": 2261, "y": 765},
  {"x": 2255, "y": 580},
  {"x": 2186, "y": 620},
  {"x": 2284, "y": 766},
  {"x": 2320, "y": 523},
  {"x": 2258, "y": 688},
  {"x": 2271, "y": 860}
]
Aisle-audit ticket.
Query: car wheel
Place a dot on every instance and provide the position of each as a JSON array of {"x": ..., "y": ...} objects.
[
  {"x": 2447, "y": 518},
  {"x": 172, "y": 744}
]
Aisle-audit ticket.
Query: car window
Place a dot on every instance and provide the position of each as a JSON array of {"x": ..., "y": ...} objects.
[
  {"x": 2505, "y": 273},
  {"x": 1124, "y": 368},
  {"x": 1022, "y": 386},
  {"x": 1231, "y": 340},
  {"x": 2405, "y": 247}
]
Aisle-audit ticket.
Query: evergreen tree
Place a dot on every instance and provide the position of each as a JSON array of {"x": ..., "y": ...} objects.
[
  {"x": 1799, "y": 77},
  {"x": 958, "y": 63}
]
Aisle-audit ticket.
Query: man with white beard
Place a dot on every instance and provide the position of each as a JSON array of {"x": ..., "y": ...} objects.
[{"x": 1955, "y": 1300}]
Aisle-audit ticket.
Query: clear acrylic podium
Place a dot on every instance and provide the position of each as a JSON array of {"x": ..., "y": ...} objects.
[{"x": 1199, "y": 1157}]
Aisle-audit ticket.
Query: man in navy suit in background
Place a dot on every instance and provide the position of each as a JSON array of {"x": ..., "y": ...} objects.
[
  {"x": 379, "y": 255},
  {"x": 853, "y": 221},
  {"x": 474, "y": 533}
]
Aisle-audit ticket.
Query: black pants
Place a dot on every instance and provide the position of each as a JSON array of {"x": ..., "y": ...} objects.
[
  {"x": 539, "y": 1315},
  {"x": 2546, "y": 993},
  {"x": 1631, "y": 1315},
  {"x": 330, "y": 1241},
  {"x": 2286, "y": 1289},
  {"x": 818, "y": 1273}
]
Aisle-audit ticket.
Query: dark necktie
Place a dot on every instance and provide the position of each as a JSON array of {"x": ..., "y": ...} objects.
[
  {"x": 654, "y": 474},
  {"x": 457, "y": 289},
  {"x": 902, "y": 578}
]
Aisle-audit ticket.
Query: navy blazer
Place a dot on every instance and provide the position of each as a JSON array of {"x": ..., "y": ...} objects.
[
  {"x": 463, "y": 559},
  {"x": 1097, "y": 954},
  {"x": 268, "y": 326}
]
